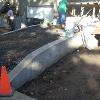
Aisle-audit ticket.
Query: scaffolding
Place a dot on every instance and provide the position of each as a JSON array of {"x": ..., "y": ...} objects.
[{"x": 80, "y": 8}]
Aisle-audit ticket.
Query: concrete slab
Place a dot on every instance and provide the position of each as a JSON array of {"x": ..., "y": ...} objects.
[
  {"x": 37, "y": 61},
  {"x": 17, "y": 96}
]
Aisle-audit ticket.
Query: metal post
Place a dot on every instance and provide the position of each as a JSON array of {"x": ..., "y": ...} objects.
[
  {"x": 93, "y": 12},
  {"x": 73, "y": 11},
  {"x": 82, "y": 11}
]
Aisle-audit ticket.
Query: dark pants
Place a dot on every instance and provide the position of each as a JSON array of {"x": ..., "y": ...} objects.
[{"x": 11, "y": 24}]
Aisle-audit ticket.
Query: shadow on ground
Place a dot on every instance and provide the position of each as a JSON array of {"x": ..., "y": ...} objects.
[{"x": 75, "y": 77}]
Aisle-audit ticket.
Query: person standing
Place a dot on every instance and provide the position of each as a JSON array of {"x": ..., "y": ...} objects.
[
  {"x": 10, "y": 18},
  {"x": 62, "y": 11}
]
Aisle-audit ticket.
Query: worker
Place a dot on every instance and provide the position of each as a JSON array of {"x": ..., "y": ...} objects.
[
  {"x": 10, "y": 17},
  {"x": 62, "y": 11}
]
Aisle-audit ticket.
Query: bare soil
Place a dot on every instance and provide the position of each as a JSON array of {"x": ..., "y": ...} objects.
[
  {"x": 74, "y": 77},
  {"x": 15, "y": 46},
  {"x": 3, "y": 30}
]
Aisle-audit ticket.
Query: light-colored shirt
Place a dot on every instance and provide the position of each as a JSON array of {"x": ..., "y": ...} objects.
[{"x": 10, "y": 13}]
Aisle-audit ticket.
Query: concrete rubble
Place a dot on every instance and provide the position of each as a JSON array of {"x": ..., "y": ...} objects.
[{"x": 87, "y": 26}]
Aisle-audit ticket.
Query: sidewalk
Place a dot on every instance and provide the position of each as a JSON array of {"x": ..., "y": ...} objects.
[{"x": 17, "y": 96}]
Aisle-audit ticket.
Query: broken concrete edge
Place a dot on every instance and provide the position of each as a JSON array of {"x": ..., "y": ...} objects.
[
  {"x": 17, "y": 96},
  {"x": 37, "y": 61},
  {"x": 31, "y": 56},
  {"x": 11, "y": 32}
]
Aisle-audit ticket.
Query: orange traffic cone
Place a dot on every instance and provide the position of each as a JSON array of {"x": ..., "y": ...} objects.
[{"x": 5, "y": 87}]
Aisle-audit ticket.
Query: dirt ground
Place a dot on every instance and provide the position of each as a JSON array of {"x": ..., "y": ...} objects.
[
  {"x": 74, "y": 77},
  {"x": 14, "y": 47},
  {"x": 3, "y": 30}
]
